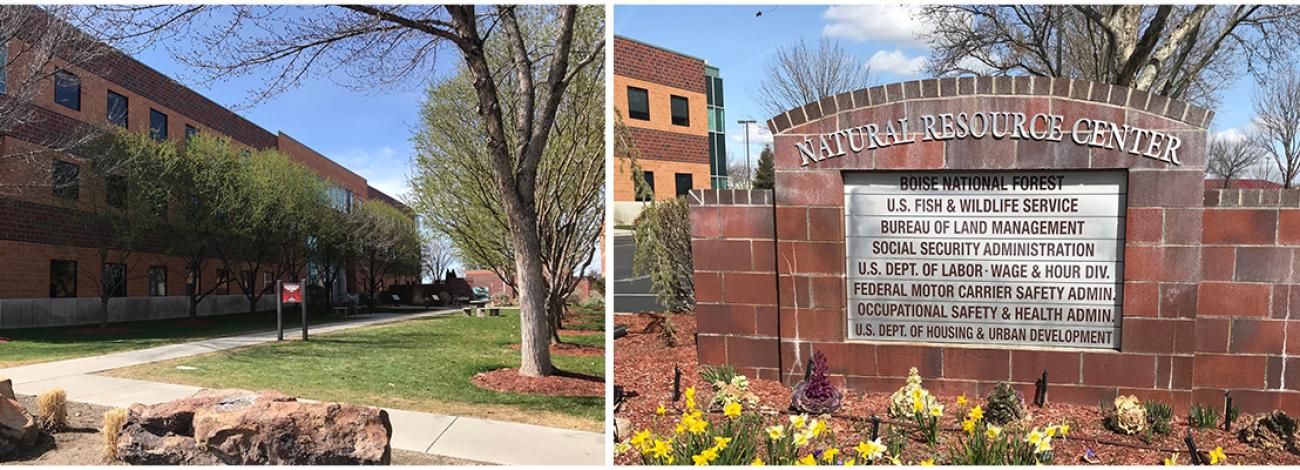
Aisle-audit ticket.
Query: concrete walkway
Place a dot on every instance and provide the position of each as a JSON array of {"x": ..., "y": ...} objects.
[{"x": 465, "y": 438}]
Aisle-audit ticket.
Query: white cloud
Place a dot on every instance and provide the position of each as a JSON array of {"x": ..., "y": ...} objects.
[
  {"x": 758, "y": 135},
  {"x": 896, "y": 61},
  {"x": 382, "y": 168},
  {"x": 897, "y": 24},
  {"x": 1232, "y": 135}
]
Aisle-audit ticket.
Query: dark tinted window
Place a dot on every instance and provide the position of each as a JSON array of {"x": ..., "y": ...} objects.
[
  {"x": 66, "y": 180},
  {"x": 638, "y": 103},
  {"x": 157, "y": 281},
  {"x": 650, "y": 181},
  {"x": 118, "y": 109},
  {"x": 67, "y": 90},
  {"x": 684, "y": 183},
  {"x": 681, "y": 111},
  {"x": 717, "y": 93},
  {"x": 116, "y": 191},
  {"x": 63, "y": 278},
  {"x": 157, "y": 125},
  {"x": 190, "y": 132},
  {"x": 114, "y": 279}
]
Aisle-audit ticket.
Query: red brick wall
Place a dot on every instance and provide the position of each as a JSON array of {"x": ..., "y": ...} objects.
[
  {"x": 645, "y": 62},
  {"x": 671, "y": 146},
  {"x": 1248, "y": 309},
  {"x": 1162, "y": 288}
]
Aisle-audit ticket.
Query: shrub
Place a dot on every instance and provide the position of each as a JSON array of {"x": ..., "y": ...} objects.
[
  {"x": 1005, "y": 404},
  {"x": 663, "y": 252},
  {"x": 114, "y": 419},
  {"x": 715, "y": 374},
  {"x": 816, "y": 395},
  {"x": 52, "y": 410},
  {"x": 1159, "y": 416},
  {"x": 903, "y": 403},
  {"x": 1203, "y": 417}
]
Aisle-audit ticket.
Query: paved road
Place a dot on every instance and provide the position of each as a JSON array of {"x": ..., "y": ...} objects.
[
  {"x": 466, "y": 438},
  {"x": 631, "y": 294}
]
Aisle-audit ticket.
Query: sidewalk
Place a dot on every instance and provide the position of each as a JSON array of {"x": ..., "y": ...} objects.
[{"x": 464, "y": 438}]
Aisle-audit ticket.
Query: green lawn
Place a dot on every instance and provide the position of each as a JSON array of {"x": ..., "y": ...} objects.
[
  {"x": 422, "y": 364},
  {"x": 34, "y": 345}
]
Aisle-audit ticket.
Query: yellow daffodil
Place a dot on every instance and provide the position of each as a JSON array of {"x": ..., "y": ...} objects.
[
  {"x": 806, "y": 460},
  {"x": 661, "y": 449},
  {"x": 661, "y": 410},
  {"x": 927, "y": 462},
  {"x": 1034, "y": 436},
  {"x": 690, "y": 398},
  {"x": 917, "y": 404},
  {"x": 961, "y": 400},
  {"x": 801, "y": 438},
  {"x": 936, "y": 410},
  {"x": 622, "y": 448},
  {"x": 850, "y": 462},
  {"x": 870, "y": 450},
  {"x": 976, "y": 413},
  {"x": 681, "y": 428},
  {"x": 640, "y": 437},
  {"x": 893, "y": 460},
  {"x": 732, "y": 410},
  {"x": 710, "y": 454},
  {"x": 757, "y": 462},
  {"x": 1051, "y": 431},
  {"x": 829, "y": 454},
  {"x": 968, "y": 426},
  {"x": 775, "y": 432},
  {"x": 993, "y": 432},
  {"x": 1171, "y": 460},
  {"x": 1217, "y": 456},
  {"x": 817, "y": 427},
  {"x": 669, "y": 460},
  {"x": 1065, "y": 430},
  {"x": 1044, "y": 445},
  {"x": 720, "y": 443},
  {"x": 699, "y": 460},
  {"x": 799, "y": 421},
  {"x": 697, "y": 426}
]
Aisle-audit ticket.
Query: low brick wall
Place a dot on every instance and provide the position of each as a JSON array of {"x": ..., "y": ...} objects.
[{"x": 44, "y": 312}]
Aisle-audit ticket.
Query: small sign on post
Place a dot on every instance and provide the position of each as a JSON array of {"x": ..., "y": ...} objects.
[{"x": 289, "y": 293}]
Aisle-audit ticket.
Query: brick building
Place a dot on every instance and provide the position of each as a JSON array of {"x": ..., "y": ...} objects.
[
  {"x": 672, "y": 105},
  {"x": 42, "y": 246}
]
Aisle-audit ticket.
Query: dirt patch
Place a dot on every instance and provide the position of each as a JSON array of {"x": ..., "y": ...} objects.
[
  {"x": 82, "y": 443},
  {"x": 570, "y": 349},
  {"x": 644, "y": 367},
  {"x": 565, "y": 384}
]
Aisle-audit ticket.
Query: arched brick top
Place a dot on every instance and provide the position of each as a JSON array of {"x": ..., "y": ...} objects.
[{"x": 1081, "y": 90}]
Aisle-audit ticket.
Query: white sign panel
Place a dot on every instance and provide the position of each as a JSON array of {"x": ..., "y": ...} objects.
[{"x": 1017, "y": 258}]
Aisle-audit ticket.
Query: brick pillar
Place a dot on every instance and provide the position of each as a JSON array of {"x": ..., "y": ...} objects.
[{"x": 734, "y": 248}]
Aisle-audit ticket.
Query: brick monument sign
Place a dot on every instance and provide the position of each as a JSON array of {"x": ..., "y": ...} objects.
[{"x": 988, "y": 229}]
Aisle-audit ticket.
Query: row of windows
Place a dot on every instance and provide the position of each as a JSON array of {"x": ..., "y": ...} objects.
[
  {"x": 63, "y": 279},
  {"x": 684, "y": 183},
  {"x": 67, "y": 92},
  {"x": 638, "y": 106}
]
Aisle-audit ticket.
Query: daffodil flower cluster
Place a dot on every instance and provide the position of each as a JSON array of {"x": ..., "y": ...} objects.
[{"x": 983, "y": 443}]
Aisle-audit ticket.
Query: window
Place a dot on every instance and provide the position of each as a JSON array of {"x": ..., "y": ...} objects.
[
  {"x": 67, "y": 90},
  {"x": 681, "y": 111},
  {"x": 223, "y": 279},
  {"x": 191, "y": 282},
  {"x": 249, "y": 279},
  {"x": 190, "y": 132},
  {"x": 649, "y": 181},
  {"x": 116, "y": 191},
  {"x": 157, "y": 281},
  {"x": 717, "y": 92},
  {"x": 157, "y": 125},
  {"x": 113, "y": 278},
  {"x": 4, "y": 65},
  {"x": 684, "y": 183},
  {"x": 65, "y": 179},
  {"x": 63, "y": 278},
  {"x": 268, "y": 279},
  {"x": 638, "y": 103},
  {"x": 118, "y": 109}
]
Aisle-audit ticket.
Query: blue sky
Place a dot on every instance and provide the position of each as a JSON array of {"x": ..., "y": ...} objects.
[
  {"x": 734, "y": 39},
  {"x": 366, "y": 131}
]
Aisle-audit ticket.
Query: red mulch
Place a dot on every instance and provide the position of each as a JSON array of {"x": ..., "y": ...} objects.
[
  {"x": 569, "y": 349},
  {"x": 567, "y": 385},
  {"x": 102, "y": 331},
  {"x": 643, "y": 366}
]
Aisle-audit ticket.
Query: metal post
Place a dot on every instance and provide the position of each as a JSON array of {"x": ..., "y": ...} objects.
[
  {"x": 302, "y": 287},
  {"x": 279, "y": 316},
  {"x": 748, "y": 169}
]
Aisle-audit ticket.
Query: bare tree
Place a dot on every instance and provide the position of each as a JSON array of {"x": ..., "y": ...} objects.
[
  {"x": 437, "y": 256},
  {"x": 1231, "y": 158},
  {"x": 739, "y": 175},
  {"x": 1180, "y": 51},
  {"x": 799, "y": 74},
  {"x": 1277, "y": 125}
]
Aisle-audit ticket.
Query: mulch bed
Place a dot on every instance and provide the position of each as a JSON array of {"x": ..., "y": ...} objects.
[
  {"x": 643, "y": 365},
  {"x": 561, "y": 385},
  {"x": 569, "y": 349}
]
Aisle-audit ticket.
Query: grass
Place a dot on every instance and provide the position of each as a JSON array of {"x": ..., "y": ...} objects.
[
  {"x": 421, "y": 365},
  {"x": 35, "y": 345}
]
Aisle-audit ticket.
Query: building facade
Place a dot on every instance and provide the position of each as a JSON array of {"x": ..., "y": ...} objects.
[
  {"x": 44, "y": 250},
  {"x": 672, "y": 106}
]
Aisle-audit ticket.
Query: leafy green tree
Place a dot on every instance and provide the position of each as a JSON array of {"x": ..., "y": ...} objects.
[
  {"x": 663, "y": 252},
  {"x": 387, "y": 243},
  {"x": 453, "y": 181},
  {"x": 765, "y": 177}
]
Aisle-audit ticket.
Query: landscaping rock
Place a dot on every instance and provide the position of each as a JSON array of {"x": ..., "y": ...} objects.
[
  {"x": 17, "y": 427},
  {"x": 243, "y": 428}
]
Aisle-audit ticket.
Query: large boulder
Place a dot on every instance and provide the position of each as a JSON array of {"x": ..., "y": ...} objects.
[
  {"x": 17, "y": 427},
  {"x": 243, "y": 428}
]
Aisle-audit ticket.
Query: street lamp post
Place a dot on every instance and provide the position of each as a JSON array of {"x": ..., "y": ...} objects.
[{"x": 746, "y": 123}]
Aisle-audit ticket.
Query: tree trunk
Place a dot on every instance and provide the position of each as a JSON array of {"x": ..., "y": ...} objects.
[
  {"x": 103, "y": 312},
  {"x": 534, "y": 324},
  {"x": 194, "y": 307},
  {"x": 555, "y": 318}
]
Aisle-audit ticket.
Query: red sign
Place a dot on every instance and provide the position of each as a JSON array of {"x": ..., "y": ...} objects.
[{"x": 291, "y": 293}]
